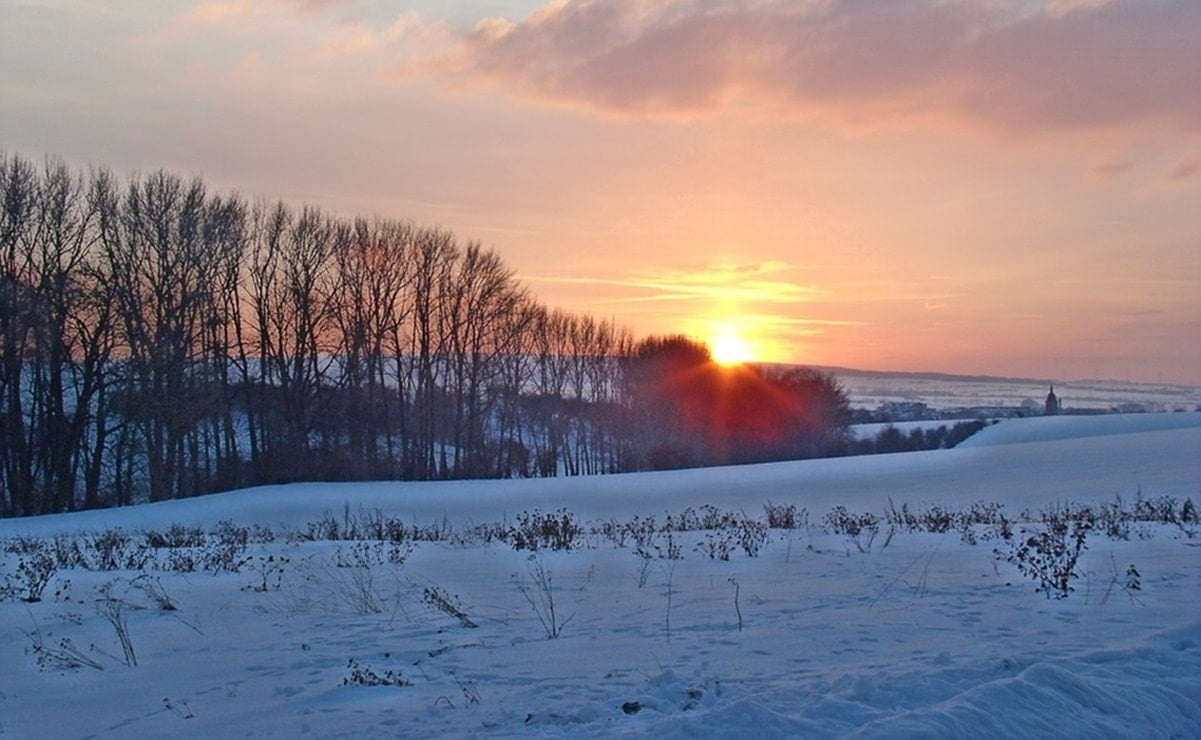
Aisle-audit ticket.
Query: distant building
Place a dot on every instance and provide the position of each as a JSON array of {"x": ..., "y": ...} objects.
[
  {"x": 1052, "y": 407},
  {"x": 905, "y": 411},
  {"x": 1130, "y": 407}
]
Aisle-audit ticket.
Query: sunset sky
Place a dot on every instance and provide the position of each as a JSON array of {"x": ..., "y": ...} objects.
[{"x": 1001, "y": 187}]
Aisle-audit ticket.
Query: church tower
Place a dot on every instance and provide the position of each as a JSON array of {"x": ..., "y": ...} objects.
[{"x": 1053, "y": 408}]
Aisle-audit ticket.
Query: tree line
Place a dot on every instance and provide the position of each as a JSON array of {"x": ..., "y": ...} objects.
[{"x": 159, "y": 340}]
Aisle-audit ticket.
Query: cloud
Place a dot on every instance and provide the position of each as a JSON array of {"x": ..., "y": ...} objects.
[
  {"x": 1114, "y": 64},
  {"x": 754, "y": 301},
  {"x": 1112, "y": 168},
  {"x": 212, "y": 13},
  {"x": 312, "y": 5},
  {"x": 1186, "y": 169},
  {"x": 721, "y": 282},
  {"x": 348, "y": 40},
  {"x": 1067, "y": 65}
]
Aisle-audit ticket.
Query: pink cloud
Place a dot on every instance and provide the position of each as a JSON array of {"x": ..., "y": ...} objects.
[
  {"x": 313, "y": 4},
  {"x": 1112, "y": 168},
  {"x": 1064, "y": 66},
  {"x": 1112, "y": 64},
  {"x": 214, "y": 12},
  {"x": 209, "y": 13},
  {"x": 1186, "y": 169}
]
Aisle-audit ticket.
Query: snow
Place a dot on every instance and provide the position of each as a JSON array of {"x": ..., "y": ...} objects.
[
  {"x": 925, "y": 635},
  {"x": 1046, "y": 428}
]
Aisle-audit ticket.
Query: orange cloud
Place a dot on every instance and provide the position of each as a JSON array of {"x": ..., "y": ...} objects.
[
  {"x": 209, "y": 13},
  {"x": 724, "y": 282},
  {"x": 1065, "y": 66}
]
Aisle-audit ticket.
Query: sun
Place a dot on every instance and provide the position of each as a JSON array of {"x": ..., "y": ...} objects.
[{"x": 728, "y": 349}]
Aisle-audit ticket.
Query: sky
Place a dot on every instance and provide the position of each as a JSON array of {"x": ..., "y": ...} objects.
[{"x": 998, "y": 187}]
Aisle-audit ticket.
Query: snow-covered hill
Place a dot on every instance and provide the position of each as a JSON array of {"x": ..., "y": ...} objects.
[
  {"x": 1048, "y": 428},
  {"x": 917, "y": 633}
]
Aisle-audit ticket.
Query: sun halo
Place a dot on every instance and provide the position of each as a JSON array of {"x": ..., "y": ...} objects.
[{"x": 730, "y": 350}]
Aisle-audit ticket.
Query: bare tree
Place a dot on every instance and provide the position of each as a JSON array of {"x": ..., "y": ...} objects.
[
  {"x": 514, "y": 369},
  {"x": 433, "y": 255},
  {"x": 167, "y": 286},
  {"x": 54, "y": 337},
  {"x": 368, "y": 308},
  {"x": 18, "y": 186},
  {"x": 216, "y": 454},
  {"x": 480, "y": 294},
  {"x": 291, "y": 261},
  {"x": 546, "y": 413}
]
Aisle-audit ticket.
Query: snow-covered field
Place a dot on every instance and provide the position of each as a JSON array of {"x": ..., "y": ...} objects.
[{"x": 920, "y": 634}]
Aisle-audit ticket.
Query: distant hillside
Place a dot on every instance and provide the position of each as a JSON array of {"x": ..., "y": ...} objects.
[
  {"x": 1053, "y": 428},
  {"x": 870, "y": 388}
]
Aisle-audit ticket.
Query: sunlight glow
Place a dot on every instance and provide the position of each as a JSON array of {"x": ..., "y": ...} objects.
[{"x": 729, "y": 349}]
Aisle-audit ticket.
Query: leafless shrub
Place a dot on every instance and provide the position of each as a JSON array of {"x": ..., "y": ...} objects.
[
  {"x": 115, "y": 550},
  {"x": 35, "y": 568},
  {"x": 540, "y": 594},
  {"x": 367, "y": 676},
  {"x": 155, "y": 593},
  {"x": 786, "y": 517},
  {"x": 644, "y": 567},
  {"x": 113, "y": 608},
  {"x": 367, "y": 554},
  {"x": 1050, "y": 556},
  {"x": 175, "y": 536},
  {"x": 64, "y": 656},
  {"x": 270, "y": 572},
  {"x": 448, "y": 605},
  {"x": 539, "y": 531},
  {"x": 860, "y": 529},
  {"x": 355, "y": 588},
  {"x": 1132, "y": 581}
]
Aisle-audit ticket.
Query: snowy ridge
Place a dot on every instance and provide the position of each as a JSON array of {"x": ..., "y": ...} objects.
[{"x": 1047, "y": 428}]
